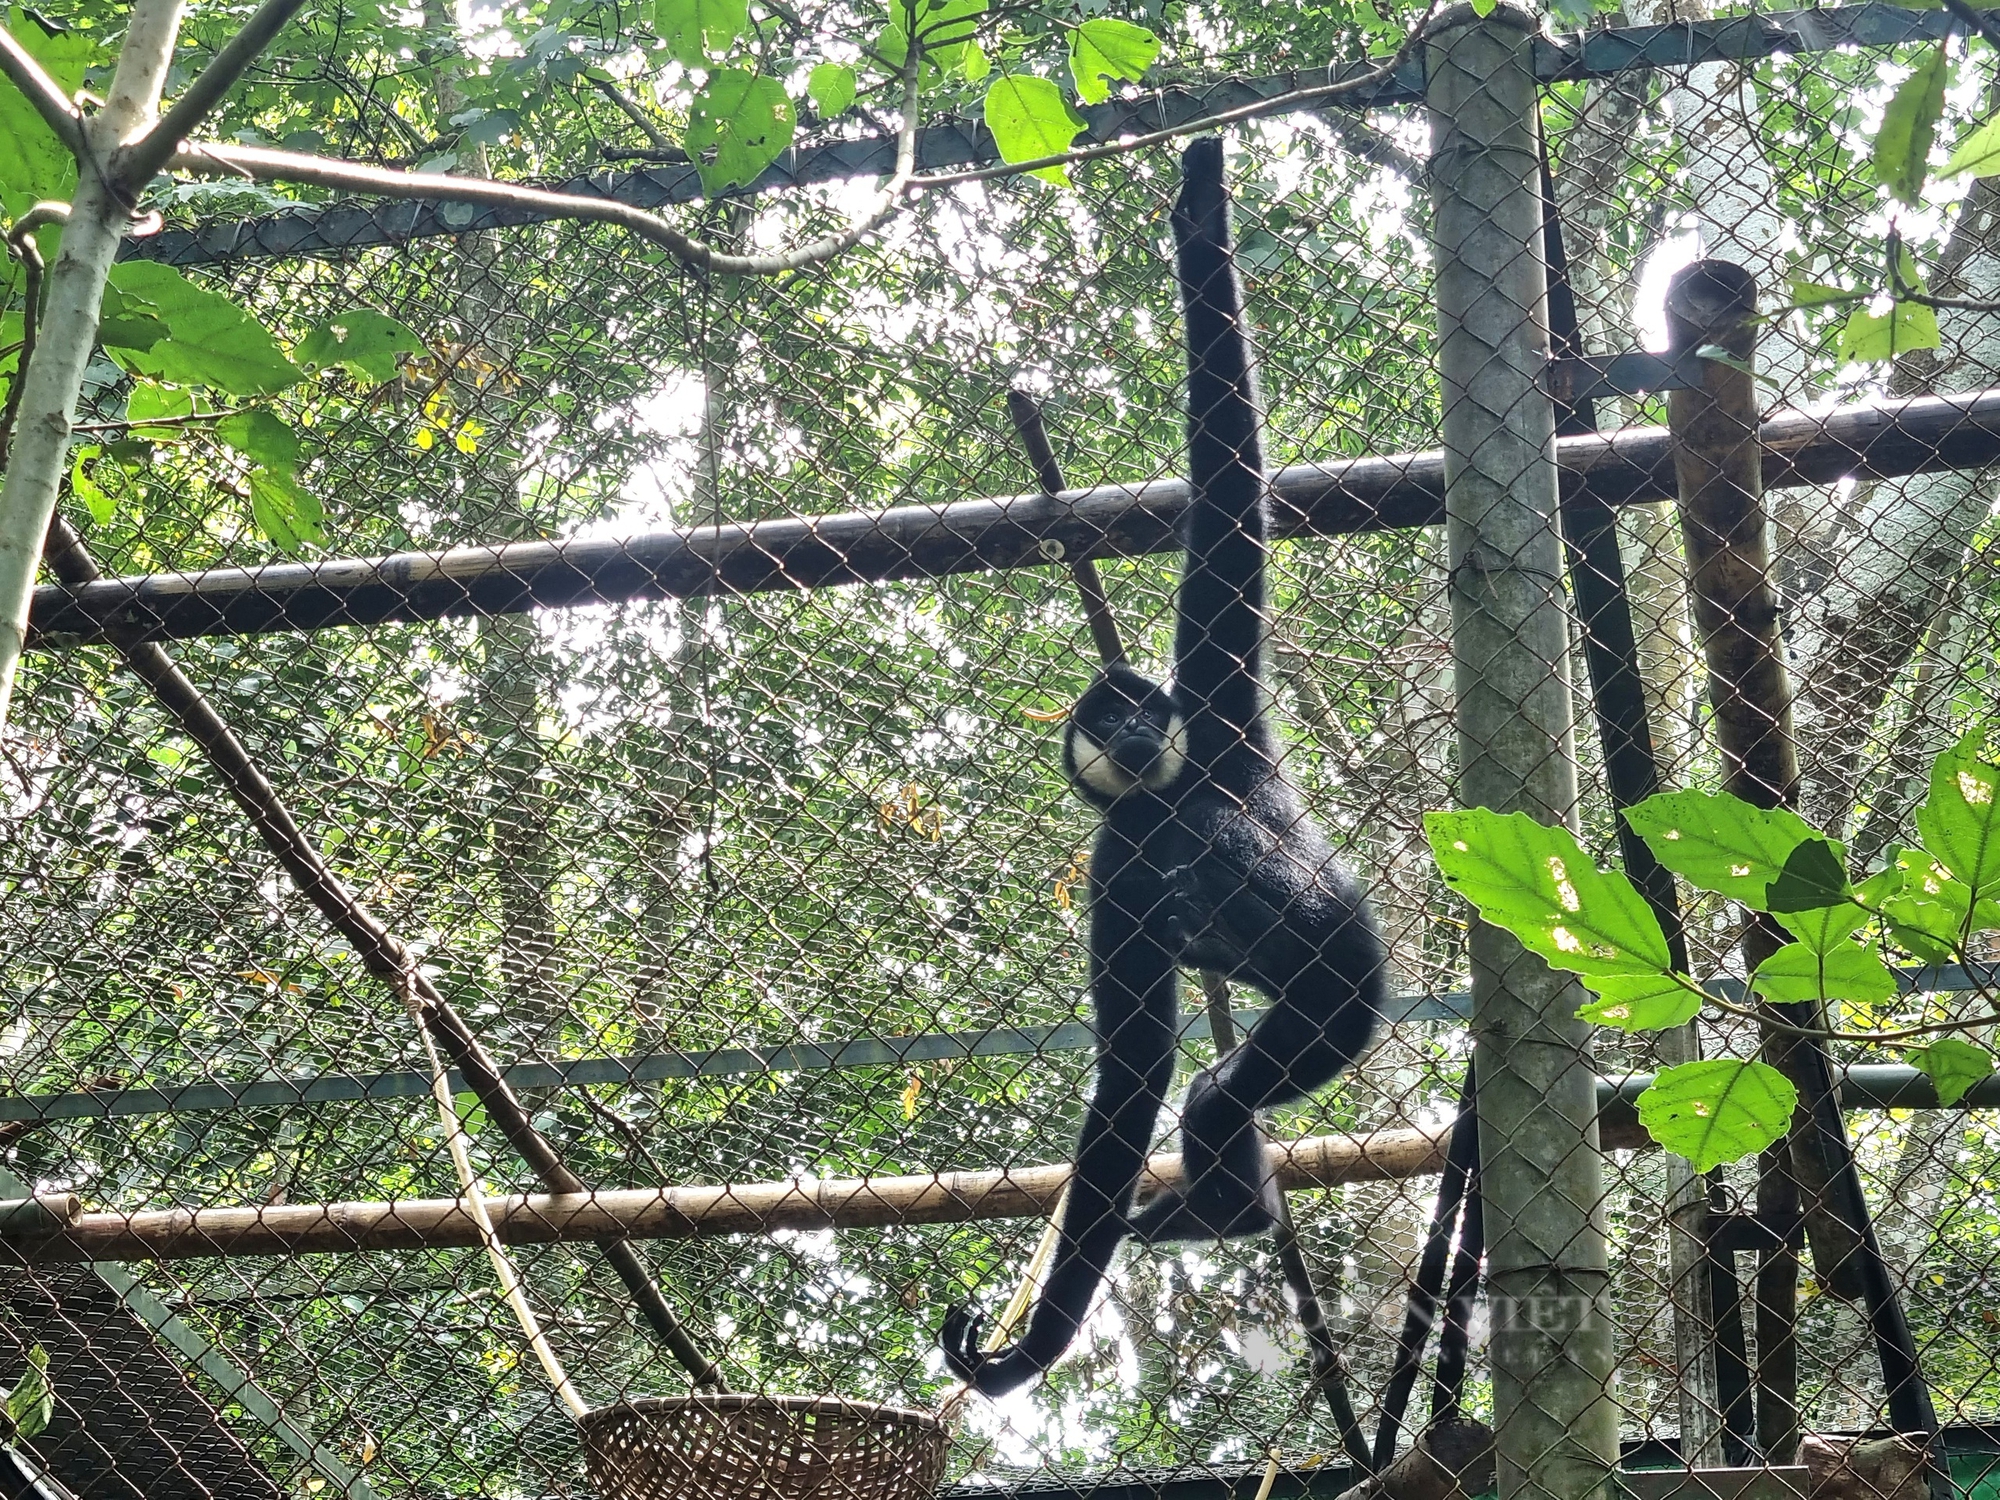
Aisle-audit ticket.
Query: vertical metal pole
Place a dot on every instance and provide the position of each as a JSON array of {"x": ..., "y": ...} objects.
[{"x": 1541, "y": 1170}]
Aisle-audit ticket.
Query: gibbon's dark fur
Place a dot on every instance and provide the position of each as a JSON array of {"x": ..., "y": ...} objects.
[{"x": 1206, "y": 859}]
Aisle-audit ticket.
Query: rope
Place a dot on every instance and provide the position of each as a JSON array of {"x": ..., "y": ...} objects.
[{"x": 456, "y": 1142}]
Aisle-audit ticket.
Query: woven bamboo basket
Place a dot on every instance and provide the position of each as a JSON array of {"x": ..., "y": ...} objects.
[{"x": 752, "y": 1447}]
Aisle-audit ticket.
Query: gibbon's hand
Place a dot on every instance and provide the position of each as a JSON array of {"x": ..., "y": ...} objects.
[{"x": 990, "y": 1372}]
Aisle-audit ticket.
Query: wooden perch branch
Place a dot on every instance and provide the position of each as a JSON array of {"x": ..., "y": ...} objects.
[
  {"x": 1875, "y": 440},
  {"x": 687, "y": 1212}
]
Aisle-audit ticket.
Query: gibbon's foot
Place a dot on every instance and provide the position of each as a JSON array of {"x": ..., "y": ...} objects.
[
  {"x": 1216, "y": 1211},
  {"x": 992, "y": 1372}
]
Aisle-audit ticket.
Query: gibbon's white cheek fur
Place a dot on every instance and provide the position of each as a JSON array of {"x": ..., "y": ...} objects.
[
  {"x": 1094, "y": 767},
  {"x": 1173, "y": 757}
]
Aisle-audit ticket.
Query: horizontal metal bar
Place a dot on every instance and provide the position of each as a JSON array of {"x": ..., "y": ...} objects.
[
  {"x": 1866, "y": 1085},
  {"x": 645, "y": 1067},
  {"x": 931, "y": 1197},
  {"x": 330, "y": 229},
  {"x": 1867, "y": 440}
]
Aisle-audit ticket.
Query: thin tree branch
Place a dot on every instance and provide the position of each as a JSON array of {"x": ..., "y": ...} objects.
[
  {"x": 287, "y": 166},
  {"x": 138, "y": 161},
  {"x": 1359, "y": 138},
  {"x": 42, "y": 91},
  {"x": 629, "y": 107},
  {"x": 21, "y": 240}
]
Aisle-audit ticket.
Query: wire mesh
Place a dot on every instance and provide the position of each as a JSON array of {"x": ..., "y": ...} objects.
[{"x": 785, "y": 885}]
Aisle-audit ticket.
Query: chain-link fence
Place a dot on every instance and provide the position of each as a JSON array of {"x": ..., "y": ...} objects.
[{"x": 729, "y": 829}]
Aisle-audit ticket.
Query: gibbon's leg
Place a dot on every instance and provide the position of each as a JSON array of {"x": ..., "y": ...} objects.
[
  {"x": 1135, "y": 991},
  {"x": 1322, "y": 1023}
]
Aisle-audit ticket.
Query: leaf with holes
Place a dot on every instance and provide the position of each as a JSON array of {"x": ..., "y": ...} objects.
[
  {"x": 1537, "y": 883},
  {"x": 1960, "y": 820},
  {"x": 368, "y": 345},
  {"x": 1029, "y": 119},
  {"x": 1797, "y": 972},
  {"x": 1720, "y": 842},
  {"x": 1868, "y": 337},
  {"x": 740, "y": 124},
  {"x": 1717, "y": 1110},
  {"x": 1926, "y": 909},
  {"x": 1105, "y": 49},
  {"x": 1640, "y": 1002},
  {"x": 1903, "y": 143},
  {"x": 285, "y": 513},
  {"x": 695, "y": 30},
  {"x": 1952, "y": 1065}
]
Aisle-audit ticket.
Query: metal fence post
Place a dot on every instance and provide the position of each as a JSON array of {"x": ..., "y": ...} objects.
[{"x": 1541, "y": 1169}]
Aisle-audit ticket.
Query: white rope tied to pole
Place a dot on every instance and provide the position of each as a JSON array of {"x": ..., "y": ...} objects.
[{"x": 457, "y": 1144}]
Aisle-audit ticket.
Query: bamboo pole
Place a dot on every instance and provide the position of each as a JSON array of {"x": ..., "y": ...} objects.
[
  {"x": 685, "y": 1212},
  {"x": 1877, "y": 440},
  {"x": 1541, "y": 1169},
  {"x": 1719, "y": 466}
]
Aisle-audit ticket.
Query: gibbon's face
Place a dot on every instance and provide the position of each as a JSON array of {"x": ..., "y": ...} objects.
[{"x": 1125, "y": 733}]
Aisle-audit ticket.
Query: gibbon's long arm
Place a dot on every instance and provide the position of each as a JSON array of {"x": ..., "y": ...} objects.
[
  {"x": 1219, "y": 637},
  {"x": 1137, "y": 1001}
]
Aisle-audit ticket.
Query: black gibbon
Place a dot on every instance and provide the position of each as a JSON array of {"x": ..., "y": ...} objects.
[{"x": 1206, "y": 859}]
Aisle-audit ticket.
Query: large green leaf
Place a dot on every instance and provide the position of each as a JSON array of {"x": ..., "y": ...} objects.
[
  {"x": 1813, "y": 878},
  {"x": 831, "y": 86},
  {"x": 31, "y": 1405},
  {"x": 261, "y": 437},
  {"x": 1844, "y": 972},
  {"x": 289, "y": 516},
  {"x": 367, "y": 344},
  {"x": 1868, "y": 337},
  {"x": 33, "y": 163},
  {"x": 1030, "y": 119},
  {"x": 1105, "y": 48},
  {"x": 948, "y": 30},
  {"x": 1953, "y": 1065},
  {"x": 1903, "y": 143},
  {"x": 740, "y": 123},
  {"x": 1960, "y": 820},
  {"x": 1718, "y": 1110},
  {"x": 1926, "y": 909},
  {"x": 1720, "y": 842},
  {"x": 1537, "y": 883},
  {"x": 151, "y": 403},
  {"x": 1978, "y": 152},
  {"x": 210, "y": 340},
  {"x": 1824, "y": 927},
  {"x": 1640, "y": 1002},
  {"x": 695, "y": 30}
]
